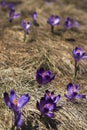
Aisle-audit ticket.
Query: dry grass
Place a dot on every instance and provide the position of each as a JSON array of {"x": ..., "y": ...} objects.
[{"x": 19, "y": 62}]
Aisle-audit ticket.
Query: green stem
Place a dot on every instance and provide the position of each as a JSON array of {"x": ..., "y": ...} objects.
[
  {"x": 13, "y": 127},
  {"x": 24, "y": 37},
  {"x": 52, "y": 29},
  {"x": 76, "y": 69}
]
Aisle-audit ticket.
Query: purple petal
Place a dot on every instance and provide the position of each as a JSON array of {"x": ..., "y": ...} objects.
[
  {"x": 7, "y": 99},
  {"x": 68, "y": 96},
  {"x": 48, "y": 94},
  {"x": 50, "y": 115},
  {"x": 50, "y": 106},
  {"x": 23, "y": 24},
  {"x": 47, "y": 78},
  {"x": 2, "y": 3},
  {"x": 52, "y": 77},
  {"x": 80, "y": 96},
  {"x": 38, "y": 106},
  {"x": 84, "y": 57},
  {"x": 57, "y": 20},
  {"x": 75, "y": 88},
  {"x": 57, "y": 98},
  {"x": 53, "y": 20},
  {"x": 11, "y": 7},
  {"x": 16, "y": 15},
  {"x": 12, "y": 96},
  {"x": 23, "y": 100},
  {"x": 42, "y": 102},
  {"x": 26, "y": 26},
  {"x": 68, "y": 23},
  {"x": 69, "y": 88},
  {"x": 40, "y": 71},
  {"x": 34, "y": 16},
  {"x": 18, "y": 119},
  {"x": 76, "y": 24},
  {"x": 39, "y": 79}
]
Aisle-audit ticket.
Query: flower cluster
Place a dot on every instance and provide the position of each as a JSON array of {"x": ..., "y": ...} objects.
[
  {"x": 48, "y": 102},
  {"x": 52, "y": 20},
  {"x": 46, "y": 105},
  {"x": 70, "y": 23},
  {"x": 12, "y": 12}
]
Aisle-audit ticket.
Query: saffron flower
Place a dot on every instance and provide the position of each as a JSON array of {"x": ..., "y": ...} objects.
[
  {"x": 16, "y": 105},
  {"x": 73, "y": 92},
  {"x": 26, "y": 27},
  {"x": 12, "y": 14},
  {"x": 70, "y": 23},
  {"x": 11, "y": 6},
  {"x": 2, "y": 3},
  {"x": 43, "y": 76},
  {"x": 34, "y": 17},
  {"x": 78, "y": 54},
  {"x": 50, "y": 95},
  {"x": 48, "y": 103},
  {"x": 53, "y": 20},
  {"x": 46, "y": 107}
]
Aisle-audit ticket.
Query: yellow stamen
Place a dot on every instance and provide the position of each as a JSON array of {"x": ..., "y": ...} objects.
[
  {"x": 50, "y": 94},
  {"x": 43, "y": 74},
  {"x": 49, "y": 105},
  {"x": 73, "y": 89},
  {"x": 15, "y": 102},
  {"x": 78, "y": 51}
]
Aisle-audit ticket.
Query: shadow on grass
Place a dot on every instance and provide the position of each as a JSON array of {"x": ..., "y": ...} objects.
[
  {"x": 35, "y": 121},
  {"x": 31, "y": 122},
  {"x": 59, "y": 32},
  {"x": 50, "y": 123},
  {"x": 70, "y": 40}
]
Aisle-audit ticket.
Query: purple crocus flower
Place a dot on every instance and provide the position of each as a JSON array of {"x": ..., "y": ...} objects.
[
  {"x": 53, "y": 20},
  {"x": 50, "y": 95},
  {"x": 16, "y": 105},
  {"x": 73, "y": 92},
  {"x": 13, "y": 15},
  {"x": 46, "y": 107},
  {"x": 70, "y": 23},
  {"x": 34, "y": 16},
  {"x": 26, "y": 26},
  {"x": 11, "y": 6},
  {"x": 2, "y": 3},
  {"x": 43, "y": 76},
  {"x": 78, "y": 54}
]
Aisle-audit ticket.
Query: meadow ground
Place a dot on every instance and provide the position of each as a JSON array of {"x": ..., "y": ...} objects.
[{"x": 19, "y": 62}]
